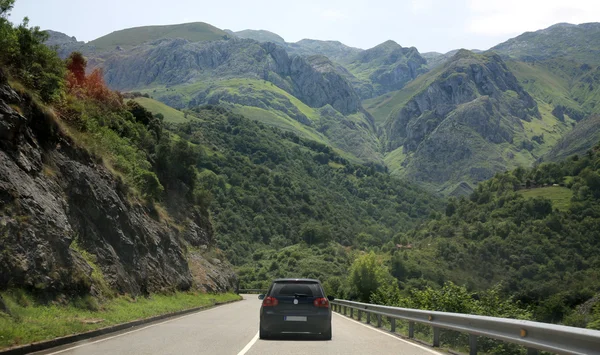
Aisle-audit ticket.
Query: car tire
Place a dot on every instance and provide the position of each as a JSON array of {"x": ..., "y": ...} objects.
[
  {"x": 327, "y": 334},
  {"x": 262, "y": 334}
]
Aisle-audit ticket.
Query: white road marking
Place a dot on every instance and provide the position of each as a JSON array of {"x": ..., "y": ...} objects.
[
  {"x": 388, "y": 334},
  {"x": 249, "y": 345},
  {"x": 132, "y": 331}
]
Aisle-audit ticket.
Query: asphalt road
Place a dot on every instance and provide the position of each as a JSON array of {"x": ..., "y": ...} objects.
[{"x": 233, "y": 329}]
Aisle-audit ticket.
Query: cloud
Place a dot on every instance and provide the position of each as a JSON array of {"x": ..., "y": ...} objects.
[{"x": 489, "y": 17}]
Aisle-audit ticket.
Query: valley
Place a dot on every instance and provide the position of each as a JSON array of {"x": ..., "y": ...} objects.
[{"x": 179, "y": 160}]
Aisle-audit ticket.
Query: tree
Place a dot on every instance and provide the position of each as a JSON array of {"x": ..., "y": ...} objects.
[
  {"x": 76, "y": 64},
  {"x": 6, "y": 7},
  {"x": 367, "y": 274}
]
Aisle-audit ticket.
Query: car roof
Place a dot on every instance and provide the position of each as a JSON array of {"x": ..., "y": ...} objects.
[{"x": 292, "y": 279}]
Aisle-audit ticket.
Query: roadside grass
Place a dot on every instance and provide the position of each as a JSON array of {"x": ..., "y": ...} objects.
[
  {"x": 560, "y": 196},
  {"x": 32, "y": 321}
]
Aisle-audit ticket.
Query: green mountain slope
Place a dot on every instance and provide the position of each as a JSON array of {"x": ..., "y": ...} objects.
[
  {"x": 271, "y": 189},
  {"x": 193, "y": 32},
  {"x": 541, "y": 244},
  {"x": 301, "y": 94},
  {"x": 334, "y": 50},
  {"x": 386, "y": 67},
  {"x": 576, "y": 42},
  {"x": 259, "y": 35},
  {"x": 156, "y": 107},
  {"x": 463, "y": 122},
  {"x": 578, "y": 141}
]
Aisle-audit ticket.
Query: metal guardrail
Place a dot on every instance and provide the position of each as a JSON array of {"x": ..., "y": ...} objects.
[
  {"x": 532, "y": 335},
  {"x": 251, "y": 290}
]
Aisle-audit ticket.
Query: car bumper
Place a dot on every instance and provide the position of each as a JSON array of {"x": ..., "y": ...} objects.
[{"x": 314, "y": 324}]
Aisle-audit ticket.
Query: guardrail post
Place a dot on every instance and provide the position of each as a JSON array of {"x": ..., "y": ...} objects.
[
  {"x": 368, "y": 317},
  {"x": 345, "y": 309},
  {"x": 472, "y": 344},
  {"x": 352, "y": 313},
  {"x": 393, "y": 325},
  {"x": 411, "y": 329},
  {"x": 531, "y": 351},
  {"x": 379, "y": 321},
  {"x": 436, "y": 337},
  {"x": 359, "y": 315}
]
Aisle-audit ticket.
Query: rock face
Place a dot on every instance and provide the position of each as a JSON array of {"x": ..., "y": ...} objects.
[
  {"x": 470, "y": 78},
  {"x": 58, "y": 200},
  {"x": 577, "y": 42},
  {"x": 334, "y": 50},
  {"x": 177, "y": 61},
  {"x": 387, "y": 66},
  {"x": 452, "y": 128}
]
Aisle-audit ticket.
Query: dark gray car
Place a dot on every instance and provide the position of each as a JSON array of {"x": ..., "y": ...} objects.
[{"x": 295, "y": 306}]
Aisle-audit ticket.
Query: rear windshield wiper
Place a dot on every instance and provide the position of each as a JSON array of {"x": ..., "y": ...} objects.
[{"x": 300, "y": 295}]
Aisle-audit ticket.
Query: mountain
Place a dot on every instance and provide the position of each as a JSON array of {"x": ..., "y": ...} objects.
[
  {"x": 258, "y": 35},
  {"x": 510, "y": 113},
  {"x": 193, "y": 32},
  {"x": 580, "y": 43},
  {"x": 334, "y": 50},
  {"x": 584, "y": 136},
  {"x": 306, "y": 95},
  {"x": 460, "y": 123},
  {"x": 384, "y": 68}
]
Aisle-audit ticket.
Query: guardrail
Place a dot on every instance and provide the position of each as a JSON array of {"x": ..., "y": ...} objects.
[
  {"x": 532, "y": 335},
  {"x": 250, "y": 290}
]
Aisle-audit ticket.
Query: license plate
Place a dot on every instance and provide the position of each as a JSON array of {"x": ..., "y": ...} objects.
[{"x": 294, "y": 319}]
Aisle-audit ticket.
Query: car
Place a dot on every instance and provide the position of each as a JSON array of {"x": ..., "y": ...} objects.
[{"x": 295, "y": 306}]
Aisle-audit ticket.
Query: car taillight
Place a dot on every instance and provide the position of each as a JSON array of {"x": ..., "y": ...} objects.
[
  {"x": 270, "y": 302},
  {"x": 321, "y": 302}
]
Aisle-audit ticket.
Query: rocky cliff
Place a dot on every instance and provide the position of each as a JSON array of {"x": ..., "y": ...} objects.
[
  {"x": 177, "y": 61},
  {"x": 457, "y": 125},
  {"x": 68, "y": 225},
  {"x": 384, "y": 68}
]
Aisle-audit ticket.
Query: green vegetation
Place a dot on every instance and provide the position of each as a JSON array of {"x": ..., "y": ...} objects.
[
  {"x": 157, "y": 108},
  {"x": 576, "y": 42},
  {"x": 194, "y": 32},
  {"x": 32, "y": 321},
  {"x": 271, "y": 189},
  {"x": 151, "y": 168},
  {"x": 260, "y": 36},
  {"x": 27, "y": 59},
  {"x": 559, "y": 196},
  {"x": 351, "y": 135}
]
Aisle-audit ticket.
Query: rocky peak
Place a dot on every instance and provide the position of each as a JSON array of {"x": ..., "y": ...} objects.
[{"x": 467, "y": 78}]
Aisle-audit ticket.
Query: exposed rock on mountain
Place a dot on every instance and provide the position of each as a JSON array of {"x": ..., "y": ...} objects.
[
  {"x": 384, "y": 68},
  {"x": 577, "y": 42},
  {"x": 450, "y": 126},
  {"x": 258, "y": 35},
  {"x": 334, "y": 50},
  {"x": 173, "y": 62},
  {"x": 67, "y": 222}
]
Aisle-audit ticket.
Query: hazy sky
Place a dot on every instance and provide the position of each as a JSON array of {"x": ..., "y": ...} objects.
[{"x": 429, "y": 25}]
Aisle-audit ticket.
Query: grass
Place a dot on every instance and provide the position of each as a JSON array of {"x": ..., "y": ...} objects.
[
  {"x": 560, "y": 196},
  {"x": 394, "y": 160},
  {"x": 171, "y": 115},
  {"x": 194, "y": 32},
  {"x": 32, "y": 321}
]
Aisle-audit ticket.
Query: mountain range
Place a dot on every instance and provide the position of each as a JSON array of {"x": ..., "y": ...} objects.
[{"x": 446, "y": 121}]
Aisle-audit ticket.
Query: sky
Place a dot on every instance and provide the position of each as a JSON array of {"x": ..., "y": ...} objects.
[{"x": 429, "y": 25}]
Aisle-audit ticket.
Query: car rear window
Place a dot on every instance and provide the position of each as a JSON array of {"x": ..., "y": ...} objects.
[{"x": 308, "y": 289}]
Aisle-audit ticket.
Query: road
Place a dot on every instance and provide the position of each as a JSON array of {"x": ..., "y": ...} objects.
[{"x": 233, "y": 329}]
